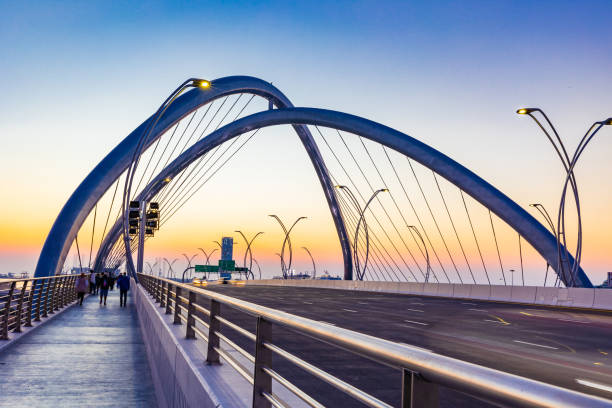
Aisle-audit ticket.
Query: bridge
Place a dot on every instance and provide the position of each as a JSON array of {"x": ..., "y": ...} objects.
[{"x": 428, "y": 312}]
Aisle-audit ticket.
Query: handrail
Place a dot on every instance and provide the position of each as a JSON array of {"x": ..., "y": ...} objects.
[
  {"x": 426, "y": 370},
  {"x": 25, "y": 300}
]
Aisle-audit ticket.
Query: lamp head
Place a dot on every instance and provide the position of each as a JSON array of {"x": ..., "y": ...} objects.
[
  {"x": 384, "y": 190},
  {"x": 167, "y": 180},
  {"x": 201, "y": 83},
  {"x": 526, "y": 111},
  {"x": 607, "y": 122}
]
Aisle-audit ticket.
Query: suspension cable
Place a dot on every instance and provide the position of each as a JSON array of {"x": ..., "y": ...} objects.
[
  {"x": 475, "y": 239},
  {"x": 497, "y": 247},
  {"x": 93, "y": 229},
  {"x": 453, "y": 225}
]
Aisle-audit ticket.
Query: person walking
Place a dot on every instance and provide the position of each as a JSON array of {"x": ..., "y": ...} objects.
[
  {"x": 113, "y": 279},
  {"x": 81, "y": 285},
  {"x": 92, "y": 283},
  {"x": 123, "y": 282},
  {"x": 104, "y": 285},
  {"x": 98, "y": 276}
]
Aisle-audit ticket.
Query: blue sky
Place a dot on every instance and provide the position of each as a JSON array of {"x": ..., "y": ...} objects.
[{"x": 79, "y": 76}]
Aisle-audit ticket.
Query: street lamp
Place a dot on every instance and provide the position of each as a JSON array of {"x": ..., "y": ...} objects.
[
  {"x": 361, "y": 273},
  {"x": 131, "y": 171},
  {"x": 170, "y": 270},
  {"x": 257, "y": 263},
  {"x": 570, "y": 179},
  {"x": 416, "y": 231},
  {"x": 188, "y": 265},
  {"x": 207, "y": 255},
  {"x": 542, "y": 210},
  {"x": 248, "y": 250},
  {"x": 314, "y": 268},
  {"x": 286, "y": 267},
  {"x": 512, "y": 279}
]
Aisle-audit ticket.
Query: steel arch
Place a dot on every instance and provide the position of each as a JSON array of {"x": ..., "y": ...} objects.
[
  {"x": 99, "y": 180},
  {"x": 513, "y": 214}
]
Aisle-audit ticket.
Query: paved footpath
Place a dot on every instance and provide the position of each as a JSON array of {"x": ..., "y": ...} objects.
[{"x": 89, "y": 356}]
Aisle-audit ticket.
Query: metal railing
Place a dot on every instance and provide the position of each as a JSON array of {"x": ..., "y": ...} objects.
[
  {"x": 423, "y": 372},
  {"x": 25, "y": 300}
]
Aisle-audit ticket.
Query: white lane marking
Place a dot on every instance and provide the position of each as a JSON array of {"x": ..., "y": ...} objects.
[
  {"x": 421, "y": 323},
  {"x": 416, "y": 347},
  {"x": 415, "y": 310},
  {"x": 350, "y": 310},
  {"x": 471, "y": 304},
  {"x": 478, "y": 310},
  {"x": 573, "y": 321},
  {"x": 592, "y": 384},
  {"x": 417, "y": 303},
  {"x": 308, "y": 303},
  {"x": 537, "y": 345},
  {"x": 363, "y": 303}
]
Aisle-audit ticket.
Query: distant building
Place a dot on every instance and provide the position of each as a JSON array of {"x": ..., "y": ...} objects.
[{"x": 227, "y": 248}]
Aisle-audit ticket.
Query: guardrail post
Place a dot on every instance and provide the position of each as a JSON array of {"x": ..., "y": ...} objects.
[
  {"x": 17, "y": 328},
  {"x": 177, "y": 302},
  {"x": 28, "y": 322},
  {"x": 39, "y": 300},
  {"x": 262, "y": 382},
  {"x": 157, "y": 291},
  {"x": 7, "y": 311},
  {"x": 50, "y": 307},
  {"x": 162, "y": 301},
  {"x": 190, "y": 334},
  {"x": 417, "y": 392},
  {"x": 168, "y": 298},
  {"x": 63, "y": 294},
  {"x": 212, "y": 357}
]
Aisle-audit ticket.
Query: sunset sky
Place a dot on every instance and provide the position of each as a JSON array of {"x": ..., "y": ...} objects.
[{"x": 78, "y": 77}]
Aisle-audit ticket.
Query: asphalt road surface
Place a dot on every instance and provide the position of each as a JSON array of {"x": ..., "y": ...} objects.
[{"x": 566, "y": 347}]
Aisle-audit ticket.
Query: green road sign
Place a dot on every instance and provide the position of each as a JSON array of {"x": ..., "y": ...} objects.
[{"x": 206, "y": 268}]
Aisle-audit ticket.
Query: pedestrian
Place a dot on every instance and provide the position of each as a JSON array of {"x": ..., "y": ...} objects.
[
  {"x": 112, "y": 281},
  {"x": 123, "y": 282},
  {"x": 104, "y": 285},
  {"x": 81, "y": 285},
  {"x": 92, "y": 283},
  {"x": 98, "y": 276}
]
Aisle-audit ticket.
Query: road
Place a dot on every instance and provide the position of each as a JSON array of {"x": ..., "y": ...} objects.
[{"x": 565, "y": 347}]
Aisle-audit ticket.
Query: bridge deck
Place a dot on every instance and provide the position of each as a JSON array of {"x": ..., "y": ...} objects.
[{"x": 90, "y": 355}]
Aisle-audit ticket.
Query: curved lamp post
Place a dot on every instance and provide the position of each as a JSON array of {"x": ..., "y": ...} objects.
[
  {"x": 412, "y": 228},
  {"x": 257, "y": 263},
  {"x": 188, "y": 264},
  {"x": 248, "y": 251},
  {"x": 314, "y": 268},
  {"x": 542, "y": 210},
  {"x": 569, "y": 165},
  {"x": 207, "y": 255},
  {"x": 361, "y": 211},
  {"x": 131, "y": 171},
  {"x": 287, "y": 240},
  {"x": 170, "y": 270}
]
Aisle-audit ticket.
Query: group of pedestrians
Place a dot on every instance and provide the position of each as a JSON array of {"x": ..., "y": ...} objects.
[{"x": 101, "y": 283}]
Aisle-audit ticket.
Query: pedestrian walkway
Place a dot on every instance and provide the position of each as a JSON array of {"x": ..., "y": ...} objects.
[{"x": 89, "y": 356}]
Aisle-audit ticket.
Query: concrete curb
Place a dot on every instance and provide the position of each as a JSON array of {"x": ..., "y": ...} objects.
[{"x": 575, "y": 298}]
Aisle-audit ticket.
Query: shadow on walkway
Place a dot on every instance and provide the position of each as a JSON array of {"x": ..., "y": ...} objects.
[{"x": 90, "y": 355}]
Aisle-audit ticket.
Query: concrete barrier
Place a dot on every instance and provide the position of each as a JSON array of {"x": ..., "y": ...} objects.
[
  {"x": 462, "y": 291},
  {"x": 501, "y": 293},
  {"x": 579, "y": 297},
  {"x": 572, "y": 297},
  {"x": 524, "y": 294}
]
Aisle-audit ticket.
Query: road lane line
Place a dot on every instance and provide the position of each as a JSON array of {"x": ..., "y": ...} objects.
[
  {"x": 421, "y": 323},
  {"x": 500, "y": 320},
  {"x": 363, "y": 303},
  {"x": 593, "y": 384},
  {"x": 471, "y": 304},
  {"x": 478, "y": 310},
  {"x": 415, "y": 310},
  {"x": 420, "y": 304},
  {"x": 350, "y": 310},
  {"x": 308, "y": 303},
  {"x": 573, "y": 321},
  {"x": 537, "y": 345}
]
